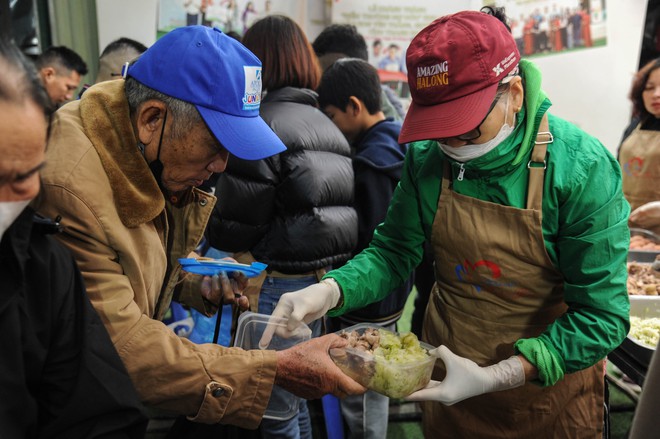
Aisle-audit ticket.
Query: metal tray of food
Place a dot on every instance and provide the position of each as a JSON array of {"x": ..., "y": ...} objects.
[
  {"x": 644, "y": 307},
  {"x": 643, "y": 278},
  {"x": 644, "y": 246}
]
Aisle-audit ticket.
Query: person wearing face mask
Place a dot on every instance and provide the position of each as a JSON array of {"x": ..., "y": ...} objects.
[
  {"x": 60, "y": 375},
  {"x": 528, "y": 224},
  {"x": 124, "y": 163}
]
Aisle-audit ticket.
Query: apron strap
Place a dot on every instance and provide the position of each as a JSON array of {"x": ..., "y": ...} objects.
[{"x": 537, "y": 165}]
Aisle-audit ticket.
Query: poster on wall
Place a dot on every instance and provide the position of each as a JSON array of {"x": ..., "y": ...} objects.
[
  {"x": 545, "y": 27},
  {"x": 233, "y": 17},
  {"x": 388, "y": 26}
]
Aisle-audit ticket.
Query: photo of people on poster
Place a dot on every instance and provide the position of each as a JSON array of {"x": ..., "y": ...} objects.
[
  {"x": 540, "y": 27},
  {"x": 233, "y": 17},
  {"x": 549, "y": 27}
]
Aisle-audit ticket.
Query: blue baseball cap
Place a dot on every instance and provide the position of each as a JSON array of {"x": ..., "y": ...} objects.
[{"x": 221, "y": 77}]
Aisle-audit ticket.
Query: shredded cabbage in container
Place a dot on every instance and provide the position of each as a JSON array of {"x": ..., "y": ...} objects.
[
  {"x": 646, "y": 331},
  {"x": 391, "y": 376},
  {"x": 402, "y": 349}
]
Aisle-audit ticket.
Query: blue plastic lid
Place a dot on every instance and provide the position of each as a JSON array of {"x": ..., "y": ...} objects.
[{"x": 210, "y": 267}]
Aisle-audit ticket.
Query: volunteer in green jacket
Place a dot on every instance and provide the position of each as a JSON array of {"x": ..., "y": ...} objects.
[{"x": 528, "y": 223}]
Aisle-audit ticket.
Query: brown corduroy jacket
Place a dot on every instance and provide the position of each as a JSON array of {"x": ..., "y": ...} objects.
[{"x": 126, "y": 239}]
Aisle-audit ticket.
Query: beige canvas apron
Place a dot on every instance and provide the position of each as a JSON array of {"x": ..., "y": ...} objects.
[
  {"x": 639, "y": 157},
  {"x": 495, "y": 285}
]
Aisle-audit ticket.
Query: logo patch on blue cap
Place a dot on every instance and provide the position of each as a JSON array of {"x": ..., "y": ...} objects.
[{"x": 252, "y": 96}]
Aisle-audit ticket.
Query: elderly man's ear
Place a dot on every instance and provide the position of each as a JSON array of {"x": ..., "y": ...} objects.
[{"x": 149, "y": 121}]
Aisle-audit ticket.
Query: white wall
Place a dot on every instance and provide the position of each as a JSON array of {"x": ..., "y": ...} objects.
[
  {"x": 590, "y": 87},
  {"x": 134, "y": 19}
]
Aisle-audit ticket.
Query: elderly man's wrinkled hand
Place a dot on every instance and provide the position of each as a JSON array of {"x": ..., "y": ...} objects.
[
  {"x": 306, "y": 370},
  {"x": 221, "y": 289}
]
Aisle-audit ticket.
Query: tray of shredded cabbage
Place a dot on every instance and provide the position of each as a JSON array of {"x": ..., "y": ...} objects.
[
  {"x": 387, "y": 362},
  {"x": 644, "y": 332}
]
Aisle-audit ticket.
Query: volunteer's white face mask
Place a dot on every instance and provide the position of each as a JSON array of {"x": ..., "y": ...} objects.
[
  {"x": 472, "y": 151},
  {"x": 9, "y": 211}
]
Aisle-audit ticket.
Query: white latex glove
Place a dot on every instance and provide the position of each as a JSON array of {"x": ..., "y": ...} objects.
[
  {"x": 466, "y": 379},
  {"x": 647, "y": 215},
  {"x": 302, "y": 306}
]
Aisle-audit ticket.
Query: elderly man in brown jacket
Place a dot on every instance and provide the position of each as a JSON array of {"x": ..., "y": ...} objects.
[{"x": 122, "y": 167}]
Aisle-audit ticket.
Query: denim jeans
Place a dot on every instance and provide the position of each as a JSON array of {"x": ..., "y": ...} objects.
[
  {"x": 300, "y": 425},
  {"x": 366, "y": 415}
]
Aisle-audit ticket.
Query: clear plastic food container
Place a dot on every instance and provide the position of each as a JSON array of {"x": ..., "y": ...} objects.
[
  {"x": 250, "y": 327},
  {"x": 390, "y": 370}
]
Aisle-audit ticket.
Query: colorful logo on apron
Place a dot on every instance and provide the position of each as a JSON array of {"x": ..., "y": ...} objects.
[
  {"x": 633, "y": 167},
  {"x": 468, "y": 271},
  {"x": 485, "y": 275}
]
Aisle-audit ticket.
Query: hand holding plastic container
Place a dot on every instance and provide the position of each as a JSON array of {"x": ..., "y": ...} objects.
[
  {"x": 222, "y": 280},
  {"x": 384, "y": 361}
]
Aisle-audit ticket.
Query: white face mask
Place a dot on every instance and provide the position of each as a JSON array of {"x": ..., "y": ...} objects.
[
  {"x": 472, "y": 151},
  {"x": 9, "y": 211}
]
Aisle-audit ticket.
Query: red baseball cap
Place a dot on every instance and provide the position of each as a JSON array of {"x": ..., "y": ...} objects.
[{"x": 454, "y": 67}]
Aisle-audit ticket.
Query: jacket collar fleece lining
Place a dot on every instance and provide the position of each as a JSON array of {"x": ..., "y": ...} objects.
[{"x": 105, "y": 118}]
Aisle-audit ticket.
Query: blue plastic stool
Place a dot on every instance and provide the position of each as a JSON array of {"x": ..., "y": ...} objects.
[
  {"x": 179, "y": 320},
  {"x": 204, "y": 327},
  {"x": 175, "y": 313},
  {"x": 334, "y": 423}
]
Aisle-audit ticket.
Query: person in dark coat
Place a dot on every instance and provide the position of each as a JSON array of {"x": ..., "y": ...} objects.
[
  {"x": 350, "y": 95},
  {"x": 293, "y": 211},
  {"x": 60, "y": 375}
]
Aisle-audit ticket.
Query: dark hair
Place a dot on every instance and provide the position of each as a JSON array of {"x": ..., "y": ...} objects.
[
  {"x": 638, "y": 86},
  {"x": 123, "y": 43},
  {"x": 348, "y": 77},
  {"x": 235, "y": 35},
  {"x": 287, "y": 57},
  {"x": 61, "y": 57},
  {"x": 341, "y": 38},
  {"x": 19, "y": 80},
  {"x": 497, "y": 12}
]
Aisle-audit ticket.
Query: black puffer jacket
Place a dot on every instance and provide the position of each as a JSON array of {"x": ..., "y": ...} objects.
[{"x": 293, "y": 211}]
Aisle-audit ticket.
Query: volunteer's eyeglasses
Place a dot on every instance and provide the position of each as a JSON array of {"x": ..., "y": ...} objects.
[{"x": 475, "y": 133}]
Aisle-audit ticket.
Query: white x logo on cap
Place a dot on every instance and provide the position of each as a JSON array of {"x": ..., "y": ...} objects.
[{"x": 497, "y": 69}]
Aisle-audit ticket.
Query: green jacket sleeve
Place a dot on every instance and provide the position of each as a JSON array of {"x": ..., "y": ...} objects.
[{"x": 397, "y": 245}]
